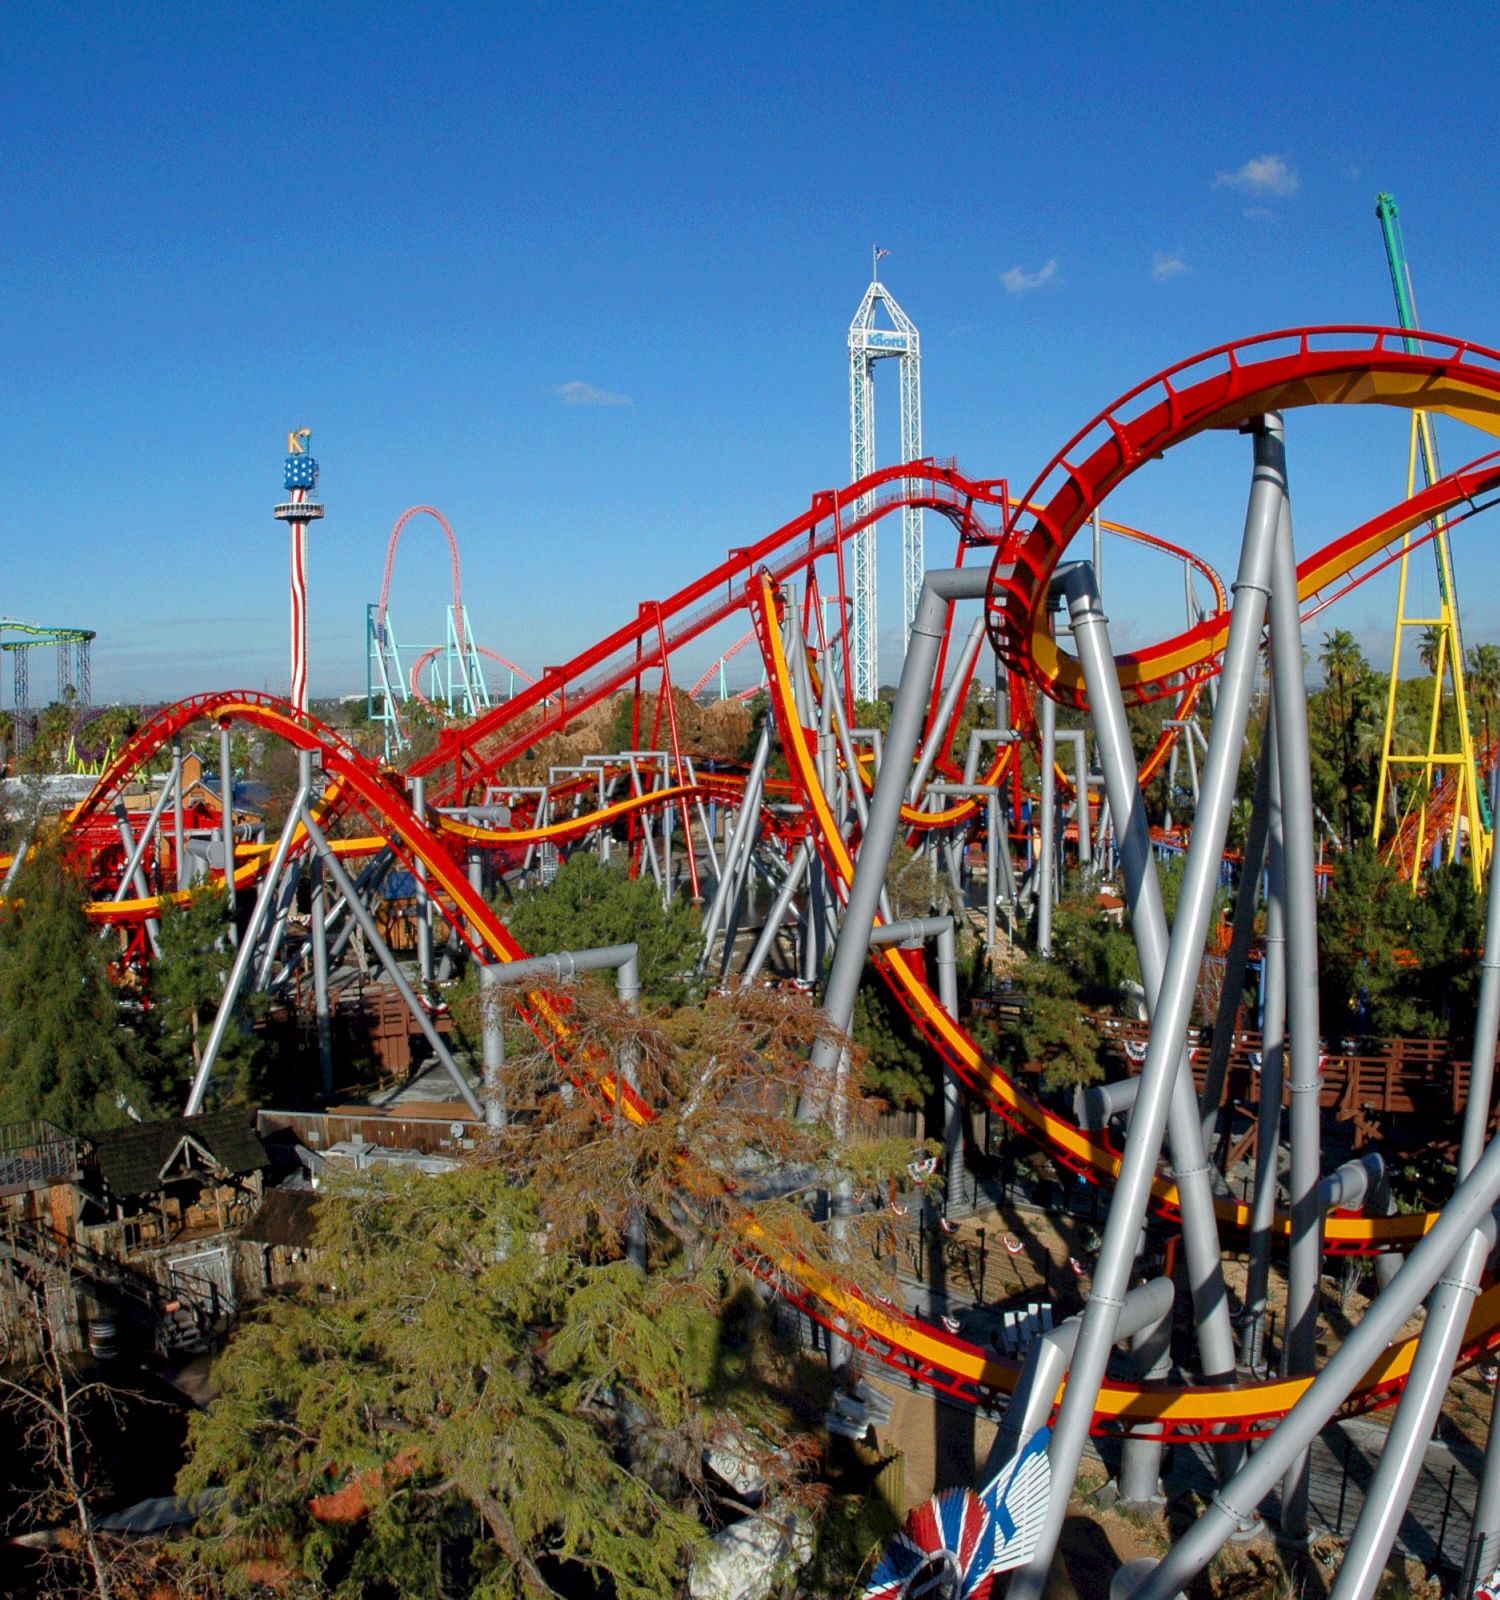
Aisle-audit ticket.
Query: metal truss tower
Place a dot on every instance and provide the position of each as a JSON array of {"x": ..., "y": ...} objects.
[
  {"x": 869, "y": 343},
  {"x": 1450, "y": 756}
]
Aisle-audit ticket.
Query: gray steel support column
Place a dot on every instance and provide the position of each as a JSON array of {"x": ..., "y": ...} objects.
[
  {"x": 1148, "y": 919},
  {"x": 134, "y": 877},
  {"x": 667, "y": 830},
  {"x": 244, "y": 957},
  {"x": 542, "y": 818},
  {"x": 179, "y": 832},
  {"x": 1242, "y": 934},
  {"x": 1141, "y": 1451},
  {"x": 796, "y": 870},
  {"x": 226, "y": 823},
  {"x": 1304, "y": 1072},
  {"x": 368, "y": 881},
  {"x": 475, "y": 865},
  {"x": 856, "y": 791},
  {"x": 740, "y": 905},
  {"x": 17, "y": 861},
  {"x": 1347, "y": 1187},
  {"x": 947, "y": 709},
  {"x": 850, "y": 954},
  {"x": 1400, "y": 1459},
  {"x": 1272, "y": 1074},
  {"x": 955, "y": 1165},
  {"x": 812, "y": 923},
  {"x": 1169, "y": 1028},
  {"x": 993, "y": 842},
  {"x": 916, "y": 930},
  {"x": 1192, "y": 759},
  {"x": 277, "y": 931},
  {"x": 566, "y": 964},
  {"x": 492, "y": 1046},
  {"x": 852, "y": 768},
  {"x": 318, "y": 938},
  {"x": 1046, "y": 791},
  {"x": 1469, "y": 1208},
  {"x": 703, "y": 822},
  {"x": 987, "y": 793},
  {"x": 828, "y": 746},
  {"x": 1144, "y": 1308},
  {"x": 627, "y": 1065},
  {"x": 424, "y": 900},
  {"x": 1483, "y": 1554},
  {"x": 1079, "y": 740},
  {"x": 621, "y": 959},
  {"x": 388, "y": 961},
  {"x": 744, "y": 823}
]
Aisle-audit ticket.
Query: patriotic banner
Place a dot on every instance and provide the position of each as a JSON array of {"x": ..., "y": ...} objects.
[{"x": 957, "y": 1543}]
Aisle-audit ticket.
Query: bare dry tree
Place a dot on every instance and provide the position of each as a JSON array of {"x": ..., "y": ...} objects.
[{"x": 49, "y": 1401}]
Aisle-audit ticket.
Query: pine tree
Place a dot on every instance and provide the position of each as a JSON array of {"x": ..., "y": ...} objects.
[
  {"x": 187, "y": 981},
  {"x": 64, "y": 1052},
  {"x": 592, "y": 903},
  {"x": 487, "y": 1396}
]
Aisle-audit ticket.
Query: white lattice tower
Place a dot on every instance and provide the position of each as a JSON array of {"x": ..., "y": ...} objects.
[{"x": 869, "y": 343}]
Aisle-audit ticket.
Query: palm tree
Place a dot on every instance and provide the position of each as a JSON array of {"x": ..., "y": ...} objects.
[
  {"x": 1427, "y": 650},
  {"x": 1344, "y": 669},
  {"x": 1482, "y": 664}
]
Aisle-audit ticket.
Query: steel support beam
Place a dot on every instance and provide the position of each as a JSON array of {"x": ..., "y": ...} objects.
[
  {"x": 1169, "y": 1030},
  {"x": 1304, "y": 1073},
  {"x": 244, "y": 957},
  {"x": 852, "y": 950},
  {"x": 1148, "y": 918}
]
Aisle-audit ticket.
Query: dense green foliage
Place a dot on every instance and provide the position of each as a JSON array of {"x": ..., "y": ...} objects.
[
  {"x": 592, "y": 903},
  {"x": 506, "y": 1404},
  {"x": 1092, "y": 962},
  {"x": 187, "y": 980},
  {"x": 1347, "y": 723},
  {"x": 477, "y": 1382},
  {"x": 900, "y": 1066},
  {"x": 1395, "y": 963},
  {"x": 63, "y": 1052}
]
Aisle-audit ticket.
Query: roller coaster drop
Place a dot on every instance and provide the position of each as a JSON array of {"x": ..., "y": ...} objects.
[{"x": 829, "y": 835}]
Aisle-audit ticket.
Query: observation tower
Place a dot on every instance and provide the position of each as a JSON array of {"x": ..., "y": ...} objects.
[
  {"x": 301, "y": 479},
  {"x": 869, "y": 343}
]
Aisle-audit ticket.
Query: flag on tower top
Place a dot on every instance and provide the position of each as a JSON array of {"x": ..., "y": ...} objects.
[{"x": 879, "y": 252}]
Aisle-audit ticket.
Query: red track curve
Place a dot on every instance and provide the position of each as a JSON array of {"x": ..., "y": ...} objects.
[{"x": 390, "y": 568}]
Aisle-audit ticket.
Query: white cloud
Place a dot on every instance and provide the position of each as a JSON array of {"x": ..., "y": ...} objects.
[
  {"x": 1019, "y": 281},
  {"x": 1260, "y": 175},
  {"x": 1168, "y": 264},
  {"x": 578, "y": 393}
]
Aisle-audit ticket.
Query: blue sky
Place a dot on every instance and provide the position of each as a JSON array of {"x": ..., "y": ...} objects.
[{"x": 581, "y": 276}]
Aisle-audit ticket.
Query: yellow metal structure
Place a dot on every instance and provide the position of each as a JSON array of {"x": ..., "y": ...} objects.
[
  {"x": 1446, "y": 786},
  {"x": 1448, "y": 759}
]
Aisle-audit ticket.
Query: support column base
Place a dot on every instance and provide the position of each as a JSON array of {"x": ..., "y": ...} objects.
[{"x": 1143, "y": 1505}]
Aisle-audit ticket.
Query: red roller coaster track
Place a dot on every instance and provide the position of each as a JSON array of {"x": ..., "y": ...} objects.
[{"x": 1222, "y": 388}]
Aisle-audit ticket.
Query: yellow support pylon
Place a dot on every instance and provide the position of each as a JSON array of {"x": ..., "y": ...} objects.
[{"x": 1432, "y": 765}]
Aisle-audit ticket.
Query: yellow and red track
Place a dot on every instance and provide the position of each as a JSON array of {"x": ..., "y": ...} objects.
[{"x": 1221, "y": 389}]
